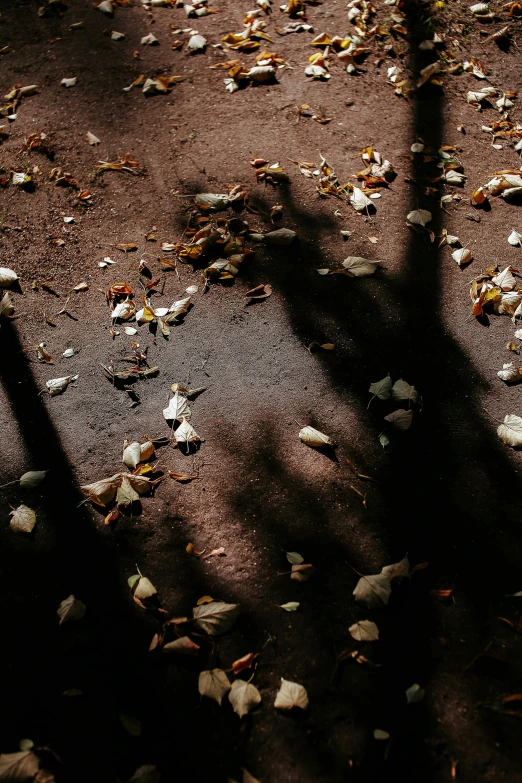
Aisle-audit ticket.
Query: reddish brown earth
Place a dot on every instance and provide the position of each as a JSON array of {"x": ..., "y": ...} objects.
[{"x": 448, "y": 490}]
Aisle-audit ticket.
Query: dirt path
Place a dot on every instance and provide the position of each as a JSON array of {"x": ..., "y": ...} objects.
[{"x": 445, "y": 492}]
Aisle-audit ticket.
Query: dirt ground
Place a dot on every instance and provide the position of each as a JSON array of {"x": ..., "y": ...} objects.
[{"x": 446, "y": 491}]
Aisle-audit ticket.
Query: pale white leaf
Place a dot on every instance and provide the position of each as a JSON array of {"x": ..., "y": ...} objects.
[
  {"x": 149, "y": 40},
  {"x": 402, "y": 568},
  {"x": 69, "y": 82},
  {"x": 58, "y": 385},
  {"x": 177, "y": 409},
  {"x": 505, "y": 279},
  {"x": 186, "y": 433},
  {"x": 141, "y": 587},
  {"x": 92, "y": 139},
  {"x": 132, "y": 455},
  {"x": 243, "y": 696},
  {"x": 462, "y": 256},
  {"x": 419, "y": 217},
  {"x": 294, "y": 557},
  {"x": 291, "y": 695},
  {"x": 214, "y": 684},
  {"x": 7, "y": 278},
  {"x": 515, "y": 238},
  {"x": 510, "y": 373},
  {"x": 359, "y": 201},
  {"x": 291, "y": 606},
  {"x": 511, "y": 430},
  {"x": 23, "y": 519},
  {"x": 196, "y": 43}
]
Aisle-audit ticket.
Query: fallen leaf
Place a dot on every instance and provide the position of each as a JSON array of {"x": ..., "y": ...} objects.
[
  {"x": 69, "y": 82},
  {"x": 419, "y": 217},
  {"x": 364, "y": 631},
  {"x": 21, "y": 767},
  {"x": 510, "y": 431},
  {"x": 145, "y": 774},
  {"x": 400, "y": 420},
  {"x": 291, "y": 606},
  {"x": 214, "y": 684},
  {"x": 515, "y": 238},
  {"x": 379, "y": 734},
  {"x": 414, "y": 694},
  {"x": 462, "y": 256},
  {"x": 32, "y": 478},
  {"x": 7, "y": 278},
  {"x": 70, "y": 609},
  {"x": 280, "y": 237},
  {"x": 183, "y": 646},
  {"x": 215, "y": 618},
  {"x": 294, "y": 558},
  {"x": 301, "y": 572},
  {"x": 374, "y": 591},
  {"x": 186, "y": 433},
  {"x": 244, "y": 663},
  {"x": 177, "y": 409},
  {"x": 400, "y": 569},
  {"x": 403, "y": 391},
  {"x": 291, "y": 695},
  {"x": 92, "y": 139},
  {"x": 510, "y": 373},
  {"x": 58, "y": 385},
  {"x": 131, "y": 724},
  {"x": 23, "y": 519},
  {"x": 314, "y": 438},
  {"x": 382, "y": 389},
  {"x": 141, "y": 587},
  {"x": 6, "y": 306},
  {"x": 243, "y": 696},
  {"x": 361, "y": 267}
]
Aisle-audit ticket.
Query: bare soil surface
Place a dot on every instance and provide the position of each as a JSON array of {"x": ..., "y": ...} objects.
[{"x": 446, "y": 491}]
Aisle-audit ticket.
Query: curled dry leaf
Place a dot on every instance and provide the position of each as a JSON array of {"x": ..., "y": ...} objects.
[
  {"x": 6, "y": 306},
  {"x": 182, "y": 646},
  {"x": 314, "y": 438},
  {"x": 280, "y": 237},
  {"x": 23, "y": 519},
  {"x": 400, "y": 420},
  {"x": 92, "y": 139},
  {"x": 361, "y": 267},
  {"x": 373, "y": 591},
  {"x": 59, "y": 385},
  {"x": 291, "y": 606},
  {"x": 301, "y": 572},
  {"x": 511, "y": 430},
  {"x": 259, "y": 292},
  {"x": 70, "y": 609},
  {"x": 291, "y": 695},
  {"x": 515, "y": 238},
  {"x": 7, "y": 277},
  {"x": 215, "y": 618},
  {"x": 364, "y": 631},
  {"x": 124, "y": 486},
  {"x": 243, "y": 696},
  {"x": 214, "y": 684},
  {"x": 510, "y": 373},
  {"x": 244, "y": 663},
  {"x": 395, "y": 570}
]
